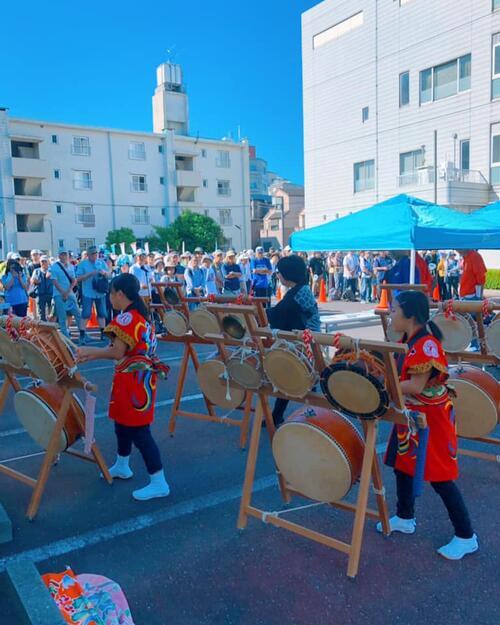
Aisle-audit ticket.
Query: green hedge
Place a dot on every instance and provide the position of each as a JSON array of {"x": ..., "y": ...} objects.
[{"x": 493, "y": 279}]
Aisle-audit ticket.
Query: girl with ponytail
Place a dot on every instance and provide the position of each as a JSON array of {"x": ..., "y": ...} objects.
[
  {"x": 133, "y": 393},
  {"x": 423, "y": 372}
]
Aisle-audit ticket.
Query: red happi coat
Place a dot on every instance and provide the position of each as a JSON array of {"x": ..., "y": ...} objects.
[
  {"x": 426, "y": 354},
  {"x": 133, "y": 391}
]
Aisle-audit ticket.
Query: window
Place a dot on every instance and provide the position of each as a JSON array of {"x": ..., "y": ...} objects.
[
  {"x": 403, "y": 2},
  {"x": 85, "y": 216},
  {"x": 24, "y": 149},
  {"x": 409, "y": 162},
  {"x": 205, "y": 183},
  {"x": 445, "y": 80},
  {"x": 337, "y": 30},
  {"x": 140, "y": 216},
  {"x": 222, "y": 159},
  {"x": 160, "y": 149},
  {"x": 137, "y": 150},
  {"x": 27, "y": 186},
  {"x": 364, "y": 176},
  {"x": 30, "y": 223},
  {"x": 60, "y": 243},
  {"x": 495, "y": 67},
  {"x": 204, "y": 153},
  {"x": 58, "y": 209},
  {"x": 404, "y": 89},
  {"x": 163, "y": 212},
  {"x": 82, "y": 179},
  {"x": 84, "y": 244},
  {"x": 138, "y": 183},
  {"x": 225, "y": 218},
  {"x": 495, "y": 155},
  {"x": 186, "y": 194},
  {"x": 496, "y": 5},
  {"x": 365, "y": 114},
  {"x": 465, "y": 155},
  {"x": 206, "y": 212},
  {"x": 162, "y": 180},
  {"x": 57, "y": 174},
  {"x": 223, "y": 188},
  {"x": 55, "y": 139},
  {"x": 80, "y": 146}
]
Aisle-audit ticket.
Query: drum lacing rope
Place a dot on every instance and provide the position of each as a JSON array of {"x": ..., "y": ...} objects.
[
  {"x": 277, "y": 513},
  {"x": 448, "y": 310},
  {"x": 225, "y": 376},
  {"x": 378, "y": 491},
  {"x": 307, "y": 339},
  {"x": 336, "y": 339},
  {"x": 373, "y": 363}
]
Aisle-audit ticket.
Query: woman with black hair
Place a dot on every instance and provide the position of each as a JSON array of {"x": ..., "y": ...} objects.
[
  {"x": 423, "y": 372},
  {"x": 133, "y": 393}
]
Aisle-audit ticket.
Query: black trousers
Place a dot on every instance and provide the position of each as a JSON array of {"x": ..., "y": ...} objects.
[
  {"x": 449, "y": 493},
  {"x": 262, "y": 292},
  {"x": 142, "y": 438}
]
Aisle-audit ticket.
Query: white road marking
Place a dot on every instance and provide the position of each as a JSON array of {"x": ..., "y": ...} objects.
[
  {"x": 38, "y": 453},
  {"x": 135, "y": 524},
  {"x": 100, "y": 415}
]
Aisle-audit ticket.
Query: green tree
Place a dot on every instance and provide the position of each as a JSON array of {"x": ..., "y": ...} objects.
[
  {"x": 191, "y": 228},
  {"x": 122, "y": 235}
]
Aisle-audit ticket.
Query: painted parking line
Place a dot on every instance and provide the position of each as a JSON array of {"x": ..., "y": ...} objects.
[
  {"x": 100, "y": 415},
  {"x": 135, "y": 524}
]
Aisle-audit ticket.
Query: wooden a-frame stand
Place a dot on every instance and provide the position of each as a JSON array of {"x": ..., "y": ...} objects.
[
  {"x": 69, "y": 384},
  {"x": 370, "y": 472}
]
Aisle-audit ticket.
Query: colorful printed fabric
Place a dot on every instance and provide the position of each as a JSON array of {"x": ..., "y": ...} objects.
[
  {"x": 133, "y": 391},
  {"x": 426, "y": 354},
  {"x": 107, "y": 598}
]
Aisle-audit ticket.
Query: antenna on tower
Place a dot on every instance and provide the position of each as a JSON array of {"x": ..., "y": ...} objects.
[{"x": 171, "y": 52}]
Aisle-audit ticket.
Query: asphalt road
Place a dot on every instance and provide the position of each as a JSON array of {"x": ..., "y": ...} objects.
[{"x": 181, "y": 560}]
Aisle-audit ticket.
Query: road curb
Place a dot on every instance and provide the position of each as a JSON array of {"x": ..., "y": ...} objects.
[{"x": 35, "y": 603}]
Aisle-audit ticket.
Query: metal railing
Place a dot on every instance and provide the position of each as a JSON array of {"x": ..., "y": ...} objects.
[
  {"x": 445, "y": 174},
  {"x": 87, "y": 220},
  {"x": 140, "y": 220}
]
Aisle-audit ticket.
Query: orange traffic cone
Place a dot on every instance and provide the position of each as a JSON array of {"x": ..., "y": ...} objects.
[
  {"x": 384, "y": 301},
  {"x": 435, "y": 294},
  {"x": 92, "y": 322},
  {"x": 32, "y": 307},
  {"x": 278, "y": 293},
  {"x": 322, "y": 293}
]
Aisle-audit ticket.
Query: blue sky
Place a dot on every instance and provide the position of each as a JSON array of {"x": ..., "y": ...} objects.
[{"x": 94, "y": 63}]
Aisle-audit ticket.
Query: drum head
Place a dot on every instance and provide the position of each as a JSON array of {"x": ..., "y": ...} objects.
[
  {"x": 175, "y": 322},
  {"x": 354, "y": 391},
  {"x": 312, "y": 462},
  {"x": 38, "y": 419},
  {"x": 288, "y": 373},
  {"x": 475, "y": 411},
  {"x": 203, "y": 322},
  {"x": 492, "y": 334},
  {"x": 209, "y": 374},
  {"x": 244, "y": 373},
  {"x": 37, "y": 362},
  {"x": 457, "y": 333},
  {"x": 10, "y": 351}
]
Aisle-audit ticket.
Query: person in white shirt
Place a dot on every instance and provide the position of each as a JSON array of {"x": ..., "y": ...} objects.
[
  {"x": 140, "y": 269},
  {"x": 351, "y": 269}
]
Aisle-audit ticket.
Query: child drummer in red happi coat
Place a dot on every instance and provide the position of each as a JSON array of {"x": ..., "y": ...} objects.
[
  {"x": 133, "y": 392},
  {"x": 423, "y": 373}
]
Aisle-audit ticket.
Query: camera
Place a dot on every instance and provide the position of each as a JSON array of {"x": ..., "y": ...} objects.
[{"x": 16, "y": 267}]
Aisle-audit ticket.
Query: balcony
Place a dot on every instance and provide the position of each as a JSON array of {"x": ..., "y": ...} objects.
[
  {"x": 455, "y": 187},
  {"x": 32, "y": 187},
  {"x": 27, "y": 206},
  {"x": 186, "y": 178},
  {"x": 29, "y": 168},
  {"x": 33, "y": 240}
]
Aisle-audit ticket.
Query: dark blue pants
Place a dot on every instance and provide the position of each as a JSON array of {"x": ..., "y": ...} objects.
[{"x": 142, "y": 438}]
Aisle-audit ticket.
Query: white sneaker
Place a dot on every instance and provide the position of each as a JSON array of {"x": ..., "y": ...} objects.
[
  {"x": 158, "y": 487},
  {"x": 121, "y": 469},
  {"x": 457, "y": 548},
  {"x": 397, "y": 524}
]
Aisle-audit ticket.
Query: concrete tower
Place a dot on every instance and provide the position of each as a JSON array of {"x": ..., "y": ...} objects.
[{"x": 170, "y": 101}]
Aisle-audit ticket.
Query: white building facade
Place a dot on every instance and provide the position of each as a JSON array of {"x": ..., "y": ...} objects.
[
  {"x": 67, "y": 186},
  {"x": 382, "y": 79}
]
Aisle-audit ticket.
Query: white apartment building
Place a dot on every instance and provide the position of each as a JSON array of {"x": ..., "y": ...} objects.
[
  {"x": 381, "y": 79},
  {"x": 64, "y": 185}
]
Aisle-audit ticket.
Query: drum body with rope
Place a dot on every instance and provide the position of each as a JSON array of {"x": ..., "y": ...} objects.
[
  {"x": 10, "y": 350},
  {"x": 42, "y": 355},
  {"x": 203, "y": 322},
  {"x": 175, "y": 323},
  {"x": 288, "y": 368},
  {"x": 355, "y": 384},
  {"x": 210, "y": 374},
  {"x": 37, "y": 408},
  {"x": 458, "y": 331},
  {"x": 244, "y": 368},
  {"x": 477, "y": 401},
  {"x": 492, "y": 336},
  {"x": 319, "y": 452}
]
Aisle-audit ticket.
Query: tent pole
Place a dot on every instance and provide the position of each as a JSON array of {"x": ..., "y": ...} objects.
[{"x": 413, "y": 260}]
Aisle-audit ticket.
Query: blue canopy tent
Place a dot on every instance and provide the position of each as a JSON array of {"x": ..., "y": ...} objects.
[{"x": 404, "y": 223}]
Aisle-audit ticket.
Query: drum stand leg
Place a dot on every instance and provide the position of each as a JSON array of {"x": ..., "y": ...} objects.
[
  {"x": 246, "y": 495},
  {"x": 362, "y": 500},
  {"x": 50, "y": 454},
  {"x": 379, "y": 490},
  {"x": 4, "y": 392},
  {"x": 179, "y": 390},
  {"x": 97, "y": 456},
  {"x": 271, "y": 429},
  {"x": 245, "y": 423}
]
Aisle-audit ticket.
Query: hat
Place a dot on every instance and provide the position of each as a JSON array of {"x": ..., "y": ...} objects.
[
  {"x": 293, "y": 268},
  {"x": 62, "y": 251},
  {"x": 92, "y": 250},
  {"x": 207, "y": 257},
  {"x": 44, "y": 257},
  {"x": 287, "y": 248},
  {"x": 198, "y": 250},
  {"x": 140, "y": 252},
  {"x": 35, "y": 252},
  {"x": 218, "y": 252},
  {"x": 15, "y": 256},
  {"x": 158, "y": 261},
  {"x": 230, "y": 253},
  {"x": 259, "y": 248}
]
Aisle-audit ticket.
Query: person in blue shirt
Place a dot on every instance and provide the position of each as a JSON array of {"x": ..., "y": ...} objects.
[
  {"x": 15, "y": 287},
  {"x": 261, "y": 273},
  {"x": 92, "y": 273},
  {"x": 231, "y": 273},
  {"x": 194, "y": 277},
  {"x": 62, "y": 274}
]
